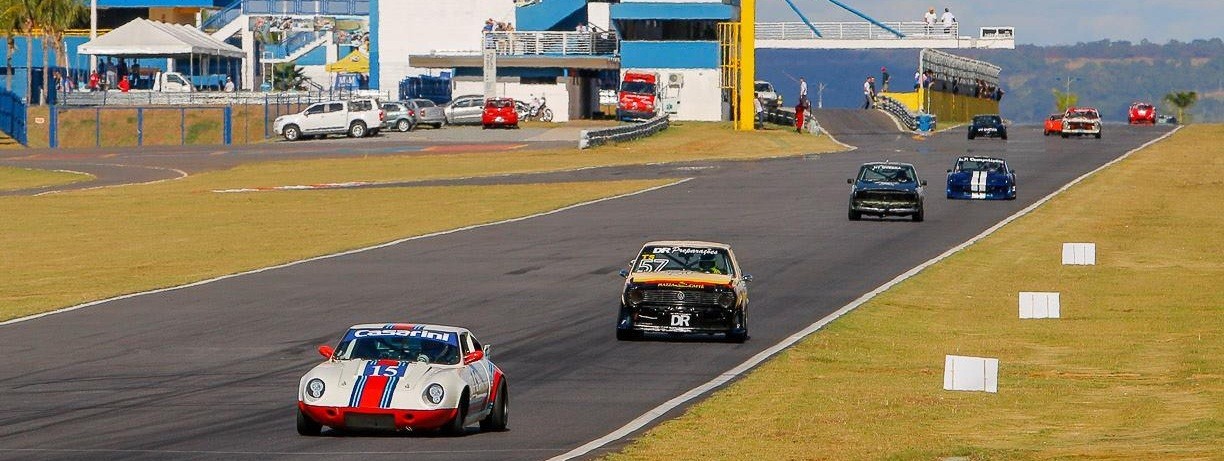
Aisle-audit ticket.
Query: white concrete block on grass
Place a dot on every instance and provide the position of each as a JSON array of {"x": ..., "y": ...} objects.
[
  {"x": 1079, "y": 254},
  {"x": 971, "y": 374},
  {"x": 1039, "y": 305}
]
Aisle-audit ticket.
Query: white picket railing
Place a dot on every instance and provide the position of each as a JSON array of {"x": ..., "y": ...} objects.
[
  {"x": 852, "y": 30},
  {"x": 552, "y": 43}
]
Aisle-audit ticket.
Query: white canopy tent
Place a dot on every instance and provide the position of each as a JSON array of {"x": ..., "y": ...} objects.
[{"x": 143, "y": 38}]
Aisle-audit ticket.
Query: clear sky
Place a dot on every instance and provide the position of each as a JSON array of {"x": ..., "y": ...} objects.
[{"x": 1039, "y": 22}]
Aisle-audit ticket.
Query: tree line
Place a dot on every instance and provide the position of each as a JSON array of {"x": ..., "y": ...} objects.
[{"x": 50, "y": 19}]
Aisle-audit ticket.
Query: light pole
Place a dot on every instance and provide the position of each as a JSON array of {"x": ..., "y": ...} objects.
[
  {"x": 1066, "y": 95},
  {"x": 93, "y": 33}
]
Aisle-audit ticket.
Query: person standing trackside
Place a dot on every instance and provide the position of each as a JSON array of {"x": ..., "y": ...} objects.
[
  {"x": 868, "y": 92},
  {"x": 884, "y": 78},
  {"x": 929, "y": 19},
  {"x": 802, "y": 88},
  {"x": 760, "y": 113},
  {"x": 948, "y": 20}
]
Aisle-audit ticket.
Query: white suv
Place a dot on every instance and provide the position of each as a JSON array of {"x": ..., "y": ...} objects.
[{"x": 356, "y": 118}]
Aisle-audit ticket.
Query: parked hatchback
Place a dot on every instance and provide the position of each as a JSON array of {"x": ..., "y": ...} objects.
[
  {"x": 398, "y": 117},
  {"x": 499, "y": 112},
  {"x": 427, "y": 113}
]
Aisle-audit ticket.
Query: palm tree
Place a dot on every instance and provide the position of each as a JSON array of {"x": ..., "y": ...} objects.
[
  {"x": 55, "y": 17},
  {"x": 288, "y": 76},
  {"x": 1182, "y": 100},
  {"x": 10, "y": 24}
]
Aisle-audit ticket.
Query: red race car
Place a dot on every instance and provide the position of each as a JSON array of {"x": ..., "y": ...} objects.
[
  {"x": 1141, "y": 113},
  {"x": 1053, "y": 124},
  {"x": 499, "y": 112}
]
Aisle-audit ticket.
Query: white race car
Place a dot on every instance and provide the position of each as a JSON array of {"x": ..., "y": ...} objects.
[{"x": 401, "y": 376}]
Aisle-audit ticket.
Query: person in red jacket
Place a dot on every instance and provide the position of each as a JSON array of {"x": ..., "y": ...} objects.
[
  {"x": 94, "y": 78},
  {"x": 124, "y": 84},
  {"x": 799, "y": 115}
]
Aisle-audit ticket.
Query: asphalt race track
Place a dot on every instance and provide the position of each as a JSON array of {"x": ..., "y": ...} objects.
[{"x": 210, "y": 371}]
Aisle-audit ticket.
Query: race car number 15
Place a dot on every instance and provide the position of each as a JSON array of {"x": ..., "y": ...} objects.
[{"x": 384, "y": 370}]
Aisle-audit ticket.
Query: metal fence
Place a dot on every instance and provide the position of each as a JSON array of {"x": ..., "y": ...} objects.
[
  {"x": 552, "y": 43},
  {"x": 592, "y": 138},
  {"x": 205, "y": 98},
  {"x": 853, "y": 30},
  {"x": 13, "y": 116}
]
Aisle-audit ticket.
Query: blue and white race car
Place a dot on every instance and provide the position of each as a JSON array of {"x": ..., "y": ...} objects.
[{"x": 981, "y": 178}]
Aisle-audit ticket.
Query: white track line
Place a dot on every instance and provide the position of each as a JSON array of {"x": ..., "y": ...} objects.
[
  {"x": 659, "y": 411},
  {"x": 181, "y": 174},
  {"x": 343, "y": 253}
]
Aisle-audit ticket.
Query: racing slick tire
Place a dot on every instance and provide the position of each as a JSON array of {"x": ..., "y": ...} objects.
[
  {"x": 855, "y": 216},
  {"x": 1004, "y": 136},
  {"x": 739, "y": 335},
  {"x": 292, "y": 133},
  {"x": 1098, "y": 135},
  {"x": 454, "y": 428},
  {"x": 626, "y": 334},
  {"x": 496, "y": 421},
  {"x": 1045, "y": 132},
  {"x": 970, "y": 135},
  {"x": 357, "y": 130},
  {"x": 918, "y": 217},
  {"x": 1065, "y": 135},
  {"x": 307, "y": 426}
]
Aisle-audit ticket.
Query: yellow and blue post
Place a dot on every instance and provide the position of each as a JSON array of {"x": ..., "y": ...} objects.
[{"x": 746, "y": 121}]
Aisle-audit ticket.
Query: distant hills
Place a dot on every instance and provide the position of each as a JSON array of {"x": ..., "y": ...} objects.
[{"x": 1108, "y": 75}]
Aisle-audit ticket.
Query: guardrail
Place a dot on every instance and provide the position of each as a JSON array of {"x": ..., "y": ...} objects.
[
  {"x": 151, "y": 98},
  {"x": 786, "y": 117},
  {"x": 853, "y": 30},
  {"x": 592, "y": 138},
  {"x": 552, "y": 43},
  {"x": 898, "y": 110}
]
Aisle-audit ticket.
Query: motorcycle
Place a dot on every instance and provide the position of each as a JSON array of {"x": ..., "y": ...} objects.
[{"x": 538, "y": 110}]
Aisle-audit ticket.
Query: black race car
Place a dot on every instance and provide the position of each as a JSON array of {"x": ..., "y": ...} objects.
[
  {"x": 886, "y": 189},
  {"x": 987, "y": 126}
]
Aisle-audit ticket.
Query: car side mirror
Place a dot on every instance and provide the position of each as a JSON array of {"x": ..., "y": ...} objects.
[
  {"x": 849, "y": 180},
  {"x": 747, "y": 278},
  {"x": 327, "y": 351},
  {"x": 473, "y": 357},
  {"x": 923, "y": 182},
  {"x": 623, "y": 273}
]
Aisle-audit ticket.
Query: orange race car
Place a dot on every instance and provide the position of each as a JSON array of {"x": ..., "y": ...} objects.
[{"x": 1053, "y": 124}]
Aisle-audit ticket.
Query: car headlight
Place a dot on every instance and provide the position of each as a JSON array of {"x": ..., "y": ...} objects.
[
  {"x": 726, "y": 300},
  {"x": 636, "y": 296},
  {"x": 434, "y": 393},
  {"x": 315, "y": 388}
]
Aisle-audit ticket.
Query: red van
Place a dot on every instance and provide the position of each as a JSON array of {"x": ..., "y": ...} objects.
[{"x": 499, "y": 112}]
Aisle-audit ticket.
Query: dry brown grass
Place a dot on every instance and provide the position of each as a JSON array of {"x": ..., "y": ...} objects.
[
  {"x": 68, "y": 248},
  {"x": 13, "y": 178},
  {"x": 1131, "y": 371}
]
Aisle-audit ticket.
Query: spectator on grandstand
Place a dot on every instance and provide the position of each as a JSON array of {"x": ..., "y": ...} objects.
[
  {"x": 929, "y": 19},
  {"x": 917, "y": 79},
  {"x": 123, "y": 68},
  {"x": 229, "y": 84},
  {"x": 124, "y": 84},
  {"x": 884, "y": 78},
  {"x": 94, "y": 81},
  {"x": 948, "y": 20}
]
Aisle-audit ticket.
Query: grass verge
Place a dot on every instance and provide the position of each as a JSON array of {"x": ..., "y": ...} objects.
[
  {"x": 1131, "y": 371},
  {"x": 74, "y": 247},
  {"x": 13, "y": 178},
  {"x": 685, "y": 142}
]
